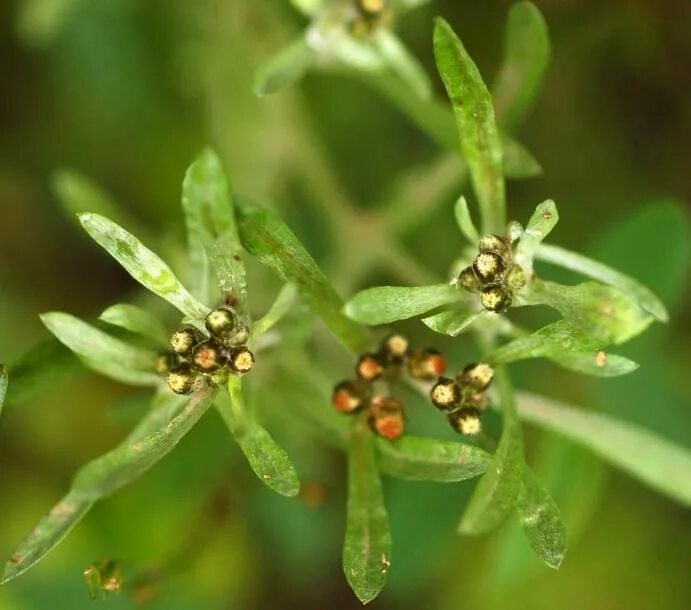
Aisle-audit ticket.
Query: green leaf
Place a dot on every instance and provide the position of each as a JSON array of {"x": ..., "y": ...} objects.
[
  {"x": 540, "y": 225},
  {"x": 136, "y": 320},
  {"x": 465, "y": 222},
  {"x": 429, "y": 459},
  {"x": 265, "y": 236},
  {"x": 367, "y": 546},
  {"x": 403, "y": 63},
  {"x": 308, "y": 8},
  {"x": 403, "y": 6},
  {"x": 284, "y": 68},
  {"x": 268, "y": 461},
  {"x": 480, "y": 143},
  {"x": 39, "y": 22},
  {"x": 165, "y": 405},
  {"x": 519, "y": 161},
  {"x": 281, "y": 306},
  {"x": 541, "y": 521},
  {"x": 590, "y": 268},
  {"x": 497, "y": 492},
  {"x": 526, "y": 57},
  {"x": 101, "y": 352},
  {"x": 3, "y": 385},
  {"x": 102, "y": 477},
  {"x": 385, "y": 304},
  {"x": 452, "y": 322},
  {"x": 142, "y": 264},
  {"x": 655, "y": 461},
  {"x": 600, "y": 311},
  {"x": 600, "y": 364}
]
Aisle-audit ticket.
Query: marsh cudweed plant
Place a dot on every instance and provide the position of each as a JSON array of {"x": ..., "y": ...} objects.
[{"x": 209, "y": 355}]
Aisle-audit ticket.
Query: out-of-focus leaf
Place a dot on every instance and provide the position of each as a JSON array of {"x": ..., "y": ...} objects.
[
  {"x": 541, "y": 223},
  {"x": 39, "y": 21},
  {"x": 142, "y": 264},
  {"x": 465, "y": 222},
  {"x": 385, "y": 304},
  {"x": 429, "y": 459},
  {"x": 655, "y": 461},
  {"x": 367, "y": 546},
  {"x": 100, "y": 478},
  {"x": 136, "y": 320},
  {"x": 541, "y": 521},
  {"x": 480, "y": 143},
  {"x": 452, "y": 322},
  {"x": 101, "y": 352},
  {"x": 600, "y": 311},
  {"x": 265, "y": 236},
  {"x": 497, "y": 492},
  {"x": 591, "y": 268},
  {"x": 403, "y": 6},
  {"x": 403, "y": 63},
  {"x": 268, "y": 461},
  {"x": 308, "y": 8},
  {"x": 280, "y": 307},
  {"x": 599, "y": 364},
  {"x": 3, "y": 385},
  {"x": 526, "y": 56},
  {"x": 165, "y": 405},
  {"x": 518, "y": 160},
  {"x": 284, "y": 68}
]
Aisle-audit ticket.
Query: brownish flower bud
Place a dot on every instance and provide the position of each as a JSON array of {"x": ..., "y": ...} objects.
[
  {"x": 369, "y": 367},
  {"x": 395, "y": 348},
  {"x": 183, "y": 380},
  {"x": 515, "y": 277},
  {"x": 386, "y": 417},
  {"x": 426, "y": 364},
  {"x": 467, "y": 280},
  {"x": 445, "y": 394},
  {"x": 495, "y": 298},
  {"x": 241, "y": 360},
  {"x": 492, "y": 243},
  {"x": 348, "y": 397},
  {"x": 476, "y": 376},
  {"x": 221, "y": 322},
  {"x": 489, "y": 267},
  {"x": 207, "y": 357},
  {"x": 182, "y": 341},
  {"x": 466, "y": 421}
]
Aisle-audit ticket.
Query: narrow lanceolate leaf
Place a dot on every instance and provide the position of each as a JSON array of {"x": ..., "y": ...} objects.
[
  {"x": 367, "y": 545},
  {"x": 465, "y": 222},
  {"x": 541, "y": 223},
  {"x": 284, "y": 68},
  {"x": 268, "y": 461},
  {"x": 519, "y": 161},
  {"x": 657, "y": 462},
  {"x": 603, "y": 312},
  {"x": 598, "y": 364},
  {"x": 403, "y": 63},
  {"x": 596, "y": 270},
  {"x": 102, "y": 477},
  {"x": 280, "y": 307},
  {"x": 497, "y": 492},
  {"x": 480, "y": 143},
  {"x": 385, "y": 304},
  {"x": 429, "y": 459},
  {"x": 211, "y": 229},
  {"x": 452, "y": 322},
  {"x": 265, "y": 236},
  {"x": 101, "y": 352},
  {"x": 136, "y": 320},
  {"x": 3, "y": 385},
  {"x": 526, "y": 56},
  {"x": 142, "y": 264},
  {"x": 541, "y": 521}
]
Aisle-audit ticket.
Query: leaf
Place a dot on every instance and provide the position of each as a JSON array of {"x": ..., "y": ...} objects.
[
  {"x": 268, "y": 461},
  {"x": 165, "y": 405},
  {"x": 480, "y": 143},
  {"x": 284, "y": 68},
  {"x": 265, "y": 236},
  {"x": 526, "y": 57},
  {"x": 39, "y": 22},
  {"x": 655, "y": 461},
  {"x": 465, "y": 222},
  {"x": 3, "y": 385},
  {"x": 102, "y": 477},
  {"x": 600, "y": 364},
  {"x": 142, "y": 264},
  {"x": 596, "y": 270},
  {"x": 308, "y": 8},
  {"x": 101, "y": 352},
  {"x": 403, "y": 6},
  {"x": 541, "y": 521},
  {"x": 281, "y": 306},
  {"x": 385, "y": 304},
  {"x": 600, "y": 311},
  {"x": 497, "y": 492},
  {"x": 541, "y": 223},
  {"x": 403, "y": 63},
  {"x": 367, "y": 546},
  {"x": 429, "y": 459},
  {"x": 452, "y": 322},
  {"x": 518, "y": 160},
  {"x": 136, "y": 320}
]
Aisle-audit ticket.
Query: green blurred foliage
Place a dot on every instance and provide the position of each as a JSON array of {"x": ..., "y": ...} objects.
[{"x": 126, "y": 92}]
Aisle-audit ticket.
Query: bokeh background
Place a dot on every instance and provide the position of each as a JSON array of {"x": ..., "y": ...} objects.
[{"x": 128, "y": 91}]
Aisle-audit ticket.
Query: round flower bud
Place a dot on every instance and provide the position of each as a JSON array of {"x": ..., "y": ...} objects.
[
  {"x": 163, "y": 363},
  {"x": 515, "y": 277},
  {"x": 426, "y": 364},
  {"x": 489, "y": 267},
  {"x": 207, "y": 357},
  {"x": 495, "y": 298},
  {"x": 478, "y": 401},
  {"x": 182, "y": 341},
  {"x": 370, "y": 8},
  {"x": 221, "y": 322},
  {"x": 369, "y": 367},
  {"x": 240, "y": 336},
  {"x": 395, "y": 347},
  {"x": 348, "y": 397},
  {"x": 466, "y": 421},
  {"x": 387, "y": 417},
  {"x": 492, "y": 243},
  {"x": 476, "y": 376},
  {"x": 445, "y": 394},
  {"x": 183, "y": 380},
  {"x": 241, "y": 360},
  {"x": 467, "y": 280}
]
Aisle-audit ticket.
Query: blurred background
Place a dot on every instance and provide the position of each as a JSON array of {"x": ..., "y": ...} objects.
[{"x": 127, "y": 92}]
